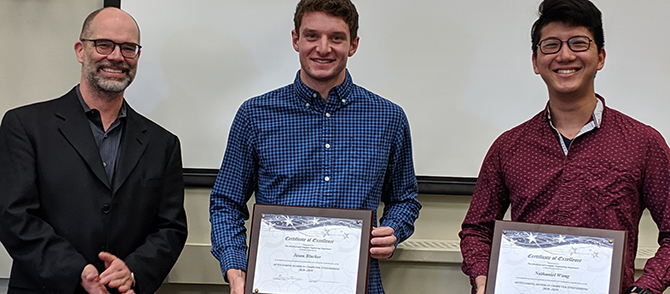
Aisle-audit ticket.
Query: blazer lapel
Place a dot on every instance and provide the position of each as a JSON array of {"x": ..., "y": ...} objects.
[
  {"x": 77, "y": 131},
  {"x": 133, "y": 144}
]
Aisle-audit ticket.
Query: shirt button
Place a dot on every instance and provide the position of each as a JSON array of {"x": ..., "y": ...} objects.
[
  {"x": 344, "y": 100},
  {"x": 327, "y": 114},
  {"x": 106, "y": 208},
  {"x": 314, "y": 95},
  {"x": 307, "y": 104},
  {"x": 327, "y": 145},
  {"x": 104, "y": 164},
  {"x": 326, "y": 179}
]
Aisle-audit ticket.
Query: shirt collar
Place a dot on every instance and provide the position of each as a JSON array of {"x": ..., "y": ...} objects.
[
  {"x": 596, "y": 116},
  {"x": 340, "y": 93},
  {"x": 122, "y": 112},
  {"x": 592, "y": 124}
]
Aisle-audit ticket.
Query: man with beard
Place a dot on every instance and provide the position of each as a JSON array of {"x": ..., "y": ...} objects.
[{"x": 91, "y": 191}]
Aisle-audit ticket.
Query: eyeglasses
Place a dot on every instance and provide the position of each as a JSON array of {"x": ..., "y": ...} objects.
[
  {"x": 106, "y": 47},
  {"x": 576, "y": 44}
]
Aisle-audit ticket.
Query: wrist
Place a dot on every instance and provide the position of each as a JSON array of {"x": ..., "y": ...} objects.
[{"x": 639, "y": 290}]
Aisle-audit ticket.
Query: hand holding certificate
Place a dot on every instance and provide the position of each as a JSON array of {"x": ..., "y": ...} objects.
[
  {"x": 298, "y": 249},
  {"x": 535, "y": 258}
]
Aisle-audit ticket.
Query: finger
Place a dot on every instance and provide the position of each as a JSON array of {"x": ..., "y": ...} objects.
[
  {"x": 381, "y": 256},
  {"x": 115, "y": 279},
  {"x": 88, "y": 276},
  {"x": 118, "y": 276},
  {"x": 113, "y": 267},
  {"x": 122, "y": 283},
  {"x": 107, "y": 257},
  {"x": 117, "y": 269},
  {"x": 382, "y": 250},
  {"x": 89, "y": 272},
  {"x": 383, "y": 241},
  {"x": 382, "y": 231},
  {"x": 125, "y": 287}
]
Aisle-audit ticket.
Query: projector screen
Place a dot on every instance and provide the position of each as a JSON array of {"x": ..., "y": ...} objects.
[{"x": 460, "y": 69}]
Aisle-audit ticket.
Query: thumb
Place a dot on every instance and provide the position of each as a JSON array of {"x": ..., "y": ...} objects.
[{"x": 107, "y": 258}]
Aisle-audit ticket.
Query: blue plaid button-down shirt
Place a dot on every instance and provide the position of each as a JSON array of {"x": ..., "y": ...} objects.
[{"x": 291, "y": 148}]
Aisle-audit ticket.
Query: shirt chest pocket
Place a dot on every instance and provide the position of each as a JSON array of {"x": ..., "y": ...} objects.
[
  {"x": 368, "y": 162},
  {"x": 612, "y": 185}
]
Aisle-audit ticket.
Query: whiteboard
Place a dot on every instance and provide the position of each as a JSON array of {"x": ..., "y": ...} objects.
[{"x": 460, "y": 69}]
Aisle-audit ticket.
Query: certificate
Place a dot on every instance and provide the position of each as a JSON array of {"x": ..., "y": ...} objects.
[
  {"x": 308, "y": 250},
  {"x": 535, "y": 258}
]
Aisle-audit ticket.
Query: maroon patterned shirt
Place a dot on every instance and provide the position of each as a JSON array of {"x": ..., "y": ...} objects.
[{"x": 609, "y": 175}]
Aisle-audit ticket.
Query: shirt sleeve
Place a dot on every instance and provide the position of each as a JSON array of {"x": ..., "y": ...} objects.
[
  {"x": 489, "y": 202},
  {"x": 656, "y": 198},
  {"x": 401, "y": 207},
  {"x": 233, "y": 188}
]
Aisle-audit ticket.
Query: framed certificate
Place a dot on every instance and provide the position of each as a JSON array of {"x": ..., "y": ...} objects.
[
  {"x": 308, "y": 250},
  {"x": 536, "y": 258}
]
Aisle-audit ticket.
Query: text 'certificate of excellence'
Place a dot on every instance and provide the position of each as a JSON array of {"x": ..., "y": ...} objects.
[
  {"x": 533, "y": 258},
  {"x": 308, "y": 250}
]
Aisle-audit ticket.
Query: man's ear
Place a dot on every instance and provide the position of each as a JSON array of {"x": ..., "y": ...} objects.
[
  {"x": 354, "y": 46},
  {"x": 294, "y": 38},
  {"x": 534, "y": 60},
  {"x": 79, "y": 51},
  {"x": 601, "y": 58}
]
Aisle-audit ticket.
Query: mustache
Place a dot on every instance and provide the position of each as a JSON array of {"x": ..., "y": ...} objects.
[{"x": 118, "y": 65}]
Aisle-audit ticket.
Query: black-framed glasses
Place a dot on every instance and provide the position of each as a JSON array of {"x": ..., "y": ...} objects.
[
  {"x": 106, "y": 47},
  {"x": 576, "y": 44}
]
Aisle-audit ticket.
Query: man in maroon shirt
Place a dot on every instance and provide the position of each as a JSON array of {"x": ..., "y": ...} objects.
[{"x": 576, "y": 163}]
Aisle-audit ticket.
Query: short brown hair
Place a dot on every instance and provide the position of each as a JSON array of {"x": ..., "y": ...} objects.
[{"x": 338, "y": 8}]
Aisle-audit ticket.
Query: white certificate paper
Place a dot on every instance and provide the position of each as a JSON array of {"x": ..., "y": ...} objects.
[
  {"x": 535, "y": 262},
  {"x": 307, "y": 254}
]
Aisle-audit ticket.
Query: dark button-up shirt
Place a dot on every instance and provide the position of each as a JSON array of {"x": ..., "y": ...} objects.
[{"x": 108, "y": 141}]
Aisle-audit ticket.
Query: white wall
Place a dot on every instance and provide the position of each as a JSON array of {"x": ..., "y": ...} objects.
[
  {"x": 460, "y": 69},
  {"x": 37, "y": 55}
]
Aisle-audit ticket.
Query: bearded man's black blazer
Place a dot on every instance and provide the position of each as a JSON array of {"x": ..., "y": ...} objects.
[{"x": 58, "y": 209}]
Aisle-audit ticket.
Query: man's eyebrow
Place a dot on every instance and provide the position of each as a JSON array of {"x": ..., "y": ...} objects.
[{"x": 305, "y": 31}]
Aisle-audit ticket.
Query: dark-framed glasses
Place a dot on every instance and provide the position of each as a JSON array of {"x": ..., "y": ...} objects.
[
  {"x": 576, "y": 44},
  {"x": 106, "y": 47}
]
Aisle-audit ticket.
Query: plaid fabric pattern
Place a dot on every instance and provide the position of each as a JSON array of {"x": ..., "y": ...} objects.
[{"x": 289, "y": 147}]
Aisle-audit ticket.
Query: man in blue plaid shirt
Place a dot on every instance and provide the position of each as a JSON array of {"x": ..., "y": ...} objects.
[{"x": 322, "y": 141}]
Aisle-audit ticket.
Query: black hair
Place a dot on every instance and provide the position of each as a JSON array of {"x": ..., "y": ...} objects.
[{"x": 579, "y": 13}]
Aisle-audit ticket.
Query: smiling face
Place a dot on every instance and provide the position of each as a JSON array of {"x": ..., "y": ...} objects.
[
  {"x": 113, "y": 73},
  {"x": 568, "y": 73},
  {"x": 324, "y": 45}
]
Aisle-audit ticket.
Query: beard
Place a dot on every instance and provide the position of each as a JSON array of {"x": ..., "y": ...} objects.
[{"x": 109, "y": 86}]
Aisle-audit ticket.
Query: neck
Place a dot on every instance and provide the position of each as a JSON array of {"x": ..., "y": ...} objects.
[
  {"x": 569, "y": 116},
  {"x": 322, "y": 86},
  {"x": 108, "y": 104}
]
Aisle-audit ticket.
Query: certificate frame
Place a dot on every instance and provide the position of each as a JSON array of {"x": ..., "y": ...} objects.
[
  {"x": 259, "y": 212},
  {"x": 618, "y": 238}
]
